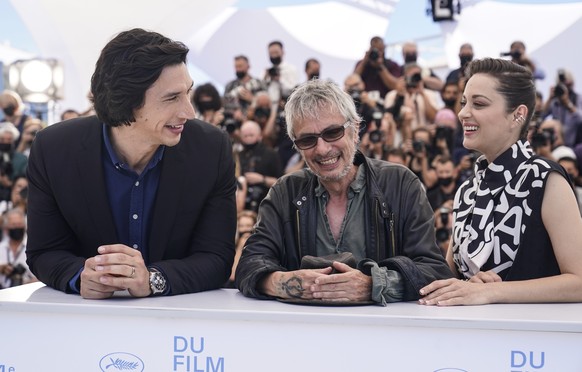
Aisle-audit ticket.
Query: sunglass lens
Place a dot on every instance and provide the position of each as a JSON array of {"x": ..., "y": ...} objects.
[{"x": 333, "y": 134}]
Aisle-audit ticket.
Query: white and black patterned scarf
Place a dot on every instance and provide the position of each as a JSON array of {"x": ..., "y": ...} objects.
[{"x": 491, "y": 209}]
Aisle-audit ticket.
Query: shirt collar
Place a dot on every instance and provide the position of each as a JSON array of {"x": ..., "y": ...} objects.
[
  {"x": 355, "y": 187},
  {"x": 498, "y": 173},
  {"x": 115, "y": 160}
]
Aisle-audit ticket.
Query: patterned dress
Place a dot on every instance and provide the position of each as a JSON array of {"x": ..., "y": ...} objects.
[{"x": 497, "y": 213}]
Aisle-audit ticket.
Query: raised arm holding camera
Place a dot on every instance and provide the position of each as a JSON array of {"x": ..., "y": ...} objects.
[
  {"x": 565, "y": 105},
  {"x": 379, "y": 74}
]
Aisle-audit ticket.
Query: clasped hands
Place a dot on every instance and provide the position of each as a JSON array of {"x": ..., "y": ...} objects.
[
  {"x": 347, "y": 284},
  {"x": 117, "y": 267},
  {"x": 448, "y": 292}
]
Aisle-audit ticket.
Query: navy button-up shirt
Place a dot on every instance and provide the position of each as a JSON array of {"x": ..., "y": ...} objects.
[{"x": 131, "y": 196}]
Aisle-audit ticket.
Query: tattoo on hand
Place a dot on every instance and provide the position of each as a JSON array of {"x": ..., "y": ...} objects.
[{"x": 293, "y": 287}]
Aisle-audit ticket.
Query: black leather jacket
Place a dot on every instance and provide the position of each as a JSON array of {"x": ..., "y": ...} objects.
[{"x": 399, "y": 224}]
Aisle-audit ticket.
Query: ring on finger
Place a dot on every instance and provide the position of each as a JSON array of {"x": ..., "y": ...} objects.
[{"x": 132, "y": 272}]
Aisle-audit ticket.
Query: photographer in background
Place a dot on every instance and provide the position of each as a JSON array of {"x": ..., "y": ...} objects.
[
  {"x": 443, "y": 223},
  {"x": 13, "y": 109},
  {"x": 258, "y": 164},
  {"x": 208, "y": 104},
  {"x": 566, "y": 157},
  {"x": 379, "y": 74},
  {"x": 457, "y": 76},
  {"x": 518, "y": 55},
  {"x": 12, "y": 164},
  {"x": 282, "y": 77},
  {"x": 244, "y": 87},
  {"x": 13, "y": 268},
  {"x": 420, "y": 156},
  {"x": 446, "y": 184},
  {"x": 565, "y": 105}
]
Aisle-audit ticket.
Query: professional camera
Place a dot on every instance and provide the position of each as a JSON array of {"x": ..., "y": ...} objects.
[
  {"x": 561, "y": 88},
  {"x": 418, "y": 146},
  {"x": 413, "y": 80},
  {"x": 376, "y": 136},
  {"x": 273, "y": 71},
  {"x": 442, "y": 234},
  {"x": 543, "y": 137},
  {"x": 374, "y": 54},
  {"x": 16, "y": 275},
  {"x": 443, "y": 132},
  {"x": 230, "y": 124}
]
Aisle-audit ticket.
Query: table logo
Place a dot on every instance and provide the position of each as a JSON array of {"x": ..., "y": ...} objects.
[{"x": 121, "y": 362}]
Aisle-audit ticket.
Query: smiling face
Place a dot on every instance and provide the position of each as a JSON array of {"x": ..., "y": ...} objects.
[
  {"x": 166, "y": 107},
  {"x": 330, "y": 161},
  {"x": 487, "y": 126}
]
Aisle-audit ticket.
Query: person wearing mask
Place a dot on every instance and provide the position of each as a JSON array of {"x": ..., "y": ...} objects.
[
  {"x": 258, "y": 164},
  {"x": 312, "y": 69},
  {"x": 13, "y": 268},
  {"x": 12, "y": 164},
  {"x": 244, "y": 87},
  {"x": 208, "y": 104},
  {"x": 282, "y": 76},
  {"x": 142, "y": 197},
  {"x": 378, "y": 73},
  {"x": 446, "y": 182},
  {"x": 413, "y": 98},
  {"x": 457, "y": 76},
  {"x": 565, "y": 105},
  {"x": 519, "y": 56},
  {"x": 429, "y": 78},
  {"x": 349, "y": 229},
  {"x": 517, "y": 232}
]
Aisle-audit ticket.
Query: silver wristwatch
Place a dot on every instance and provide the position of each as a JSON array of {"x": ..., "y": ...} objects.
[{"x": 157, "y": 282}]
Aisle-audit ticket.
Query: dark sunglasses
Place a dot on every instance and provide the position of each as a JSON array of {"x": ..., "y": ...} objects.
[{"x": 328, "y": 135}]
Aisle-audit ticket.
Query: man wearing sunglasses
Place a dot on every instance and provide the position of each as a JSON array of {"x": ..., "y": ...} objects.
[{"x": 345, "y": 204}]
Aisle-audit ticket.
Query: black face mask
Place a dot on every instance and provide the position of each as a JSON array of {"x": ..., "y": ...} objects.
[
  {"x": 9, "y": 110},
  {"x": 240, "y": 74},
  {"x": 410, "y": 57},
  {"x": 249, "y": 146},
  {"x": 261, "y": 112},
  {"x": 207, "y": 106},
  {"x": 5, "y": 147},
  {"x": 449, "y": 102},
  {"x": 465, "y": 59},
  {"x": 16, "y": 234},
  {"x": 446, "y": 181},
  {"x": 275, "y": 60}
]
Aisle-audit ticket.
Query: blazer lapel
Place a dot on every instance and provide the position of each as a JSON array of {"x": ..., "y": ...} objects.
[
  {"x": 168, "y": 196},
  {"x": 90, "y": 169}
]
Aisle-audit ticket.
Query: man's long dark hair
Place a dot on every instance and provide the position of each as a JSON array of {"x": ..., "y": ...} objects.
[{"x": 128, "y": 65}]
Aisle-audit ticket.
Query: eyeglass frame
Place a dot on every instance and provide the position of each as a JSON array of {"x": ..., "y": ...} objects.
[{"x": 344, "y": 126}]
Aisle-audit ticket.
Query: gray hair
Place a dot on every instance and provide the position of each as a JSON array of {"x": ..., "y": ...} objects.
[
  {"x": 10, "y": 128},
  {"x": 315, "y": 97}
]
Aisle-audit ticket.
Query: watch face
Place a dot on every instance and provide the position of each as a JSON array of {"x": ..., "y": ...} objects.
[{"x": 157, "y": 282}]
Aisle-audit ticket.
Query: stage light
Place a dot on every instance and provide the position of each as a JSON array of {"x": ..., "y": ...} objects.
[
  {"x": 443, "y": 10},
  {"x": 36, "y": 80}
]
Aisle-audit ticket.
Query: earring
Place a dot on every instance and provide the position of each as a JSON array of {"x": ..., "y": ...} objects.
[{"x": 520, "y": 119}]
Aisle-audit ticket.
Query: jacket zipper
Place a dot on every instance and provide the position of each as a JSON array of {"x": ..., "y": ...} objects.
[
  {"x": 298, "y": 234},
  {"x": 377, "y": 232},
  {"x": 392, "y": 239}
]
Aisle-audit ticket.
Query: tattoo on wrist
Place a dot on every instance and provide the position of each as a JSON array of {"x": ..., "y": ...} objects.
[{"x": 293, "y": 287}]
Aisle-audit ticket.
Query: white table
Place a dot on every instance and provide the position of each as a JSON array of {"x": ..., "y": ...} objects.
[{"x": 46, "y": 330}]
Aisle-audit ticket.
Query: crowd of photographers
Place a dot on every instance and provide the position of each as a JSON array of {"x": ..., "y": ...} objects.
[{"x": 409, "y": 117}]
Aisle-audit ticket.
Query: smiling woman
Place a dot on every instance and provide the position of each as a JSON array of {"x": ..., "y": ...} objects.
[{"x": 517, "y": 233}]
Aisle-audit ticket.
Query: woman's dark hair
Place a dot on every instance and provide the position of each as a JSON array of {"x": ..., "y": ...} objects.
[
  {"x": 207, "y": 90},
  {"x": 514, "y": 82},
  {"x": 127, "y": 67}
]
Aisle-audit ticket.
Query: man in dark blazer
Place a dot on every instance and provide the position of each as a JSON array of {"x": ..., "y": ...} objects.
[{"x": 139, "y": 198}]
